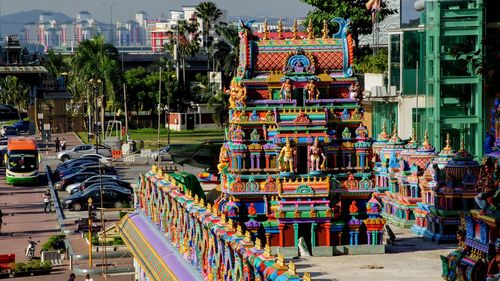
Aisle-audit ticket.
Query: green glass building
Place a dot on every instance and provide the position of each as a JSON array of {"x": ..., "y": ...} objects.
[{"x": 453, "y": 88}]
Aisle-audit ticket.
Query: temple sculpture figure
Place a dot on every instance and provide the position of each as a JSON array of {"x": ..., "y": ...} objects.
[
  {"x": 316, "y": 156},
  {"x": 286, "y": 157},
  {"x": 311, "y": 90},
  {"x": 287, "y": 90}
]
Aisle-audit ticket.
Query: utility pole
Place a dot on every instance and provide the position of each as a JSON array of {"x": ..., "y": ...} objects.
[
  {"x": 159, "y": 117},
  {"x": 126, "y": 112},
  {"x": 91, "y": 208}
]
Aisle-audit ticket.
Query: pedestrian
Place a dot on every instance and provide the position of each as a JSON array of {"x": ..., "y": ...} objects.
[
  {"x": 72, "y": 277},
  {"x": 57, "y": 142},
  {"x": 87, "y": 278},
  {"x": 1, "y": 221},
  {"x": 46, "y": 201},
  {"x": 63, "y": 144}
]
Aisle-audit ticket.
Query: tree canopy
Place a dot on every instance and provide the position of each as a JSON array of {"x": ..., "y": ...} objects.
[{"x": 361, "y": 18}]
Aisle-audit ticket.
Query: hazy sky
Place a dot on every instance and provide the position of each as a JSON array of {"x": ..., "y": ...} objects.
[{"x": 125, "y": 9}]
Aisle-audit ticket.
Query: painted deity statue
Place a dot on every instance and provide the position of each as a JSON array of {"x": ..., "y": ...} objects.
[
  {"x": 223, "y": 159},
  {"x": 451, "y": 263},
  {"x": 299, "y": 67},
  {"x": 316, "y": 155},
  {"x": 493, "y": 272},
  {"x": 312, "y": 90},
  {"x": 286, "y": 90},
  {"x": 355, "y": 91},
  {"x": 233, "y": 94},
  {"x": 286, "y": 157},
  {"x": 241, "y": 95},
  {"x": 353, "y": 208}
]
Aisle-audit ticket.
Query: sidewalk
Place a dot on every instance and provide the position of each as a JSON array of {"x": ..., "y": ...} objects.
[{"x": 24, "y": 217}]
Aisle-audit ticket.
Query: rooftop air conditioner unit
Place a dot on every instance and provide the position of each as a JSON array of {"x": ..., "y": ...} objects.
[{"x": 379, "y": 91}]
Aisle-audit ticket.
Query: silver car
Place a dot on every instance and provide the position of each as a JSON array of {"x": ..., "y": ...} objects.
[{"x": 80, "y": 150}]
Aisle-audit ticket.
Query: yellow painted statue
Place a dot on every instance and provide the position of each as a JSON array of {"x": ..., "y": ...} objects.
[
  {"x": 286, "y": 157},
  {"x": 233, "y": 94},
  {"x": 311, "y": 90}
]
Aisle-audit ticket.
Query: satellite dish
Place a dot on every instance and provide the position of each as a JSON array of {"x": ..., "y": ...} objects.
[{"x": 419, "y": 5}]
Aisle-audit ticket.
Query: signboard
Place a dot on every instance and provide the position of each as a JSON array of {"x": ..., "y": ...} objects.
[
  {"x": 46, "y": 127},
  {"x": 40, "y": 115}
]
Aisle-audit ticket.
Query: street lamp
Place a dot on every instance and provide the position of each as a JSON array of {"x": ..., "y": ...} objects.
[{"x": 96, "y": 83}]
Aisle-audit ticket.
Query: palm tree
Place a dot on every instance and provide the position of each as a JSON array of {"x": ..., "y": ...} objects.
[
  {"x": 14, "y": 91},
  {"x": 227, "y": 50},
  {"x": 95, "y": 59},
  {"x": 209, "y": 13},
  {"x": 55, "y": 64}
]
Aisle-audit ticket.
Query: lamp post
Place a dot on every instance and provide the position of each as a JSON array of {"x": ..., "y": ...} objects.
[
  {"x": 96, "y": 83},
  {"x": 91, "y": 208}
]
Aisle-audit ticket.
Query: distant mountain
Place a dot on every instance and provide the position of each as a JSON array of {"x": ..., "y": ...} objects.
[{"x": 14, "y": 23}]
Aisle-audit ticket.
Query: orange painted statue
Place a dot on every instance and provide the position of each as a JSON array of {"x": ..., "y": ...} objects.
[
  {"x": 353, "y": 208},
  {"x": 251, "y": 210},
  {"x": 286, "y": 90}
]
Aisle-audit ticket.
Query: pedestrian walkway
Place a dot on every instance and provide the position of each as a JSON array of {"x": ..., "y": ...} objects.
[{"x": 49, "y": 149}]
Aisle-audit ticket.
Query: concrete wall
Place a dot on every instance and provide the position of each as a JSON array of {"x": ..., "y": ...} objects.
[{"x": 405, "y": 114}]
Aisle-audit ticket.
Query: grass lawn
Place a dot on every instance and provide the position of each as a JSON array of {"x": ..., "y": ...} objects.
[{"x": 150, "y": 136}]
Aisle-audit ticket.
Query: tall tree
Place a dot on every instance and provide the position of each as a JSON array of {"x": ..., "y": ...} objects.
[
  {"x": 95, "y": 59},
  {"x": 210, "y": 14},
  {"x": 16, "y": 92},
  {"x": 356, "y": 10},
  {"x": 226, "y": 50},
  {"x": 55, "y": 64}
]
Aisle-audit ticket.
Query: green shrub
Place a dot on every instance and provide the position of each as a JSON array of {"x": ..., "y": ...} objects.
[
  {"x": 20, "y": 267},
  {"x": 33, "y": 265},
  {"x": 117, "y": 241},
  {"x": 54, "y": 243},
  {"x": 46, "y": 265}
]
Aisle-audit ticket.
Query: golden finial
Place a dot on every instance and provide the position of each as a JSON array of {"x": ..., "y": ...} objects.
[
  {"x": 266, "y": 30},
  {"x": 291, "y": 268},
  {"x": 448, "y": 142},
  {"x": 281, "y": 260},
  {"x": 280, "y": 29},
  {"x": 310, "y": 30},
  {"x": 202, "y": 202},
  {"x": 462, "y": 144},
  {"x": 426, "y": 138},
  {"x": 394, "y": 130},
  {"x": 258, "y": 244},
  {"x": 239, "y": 231},
  {"x": 295, "y": 30},
  {"x": 325, "y": 30},
  {"x": 384, "y": 128},
  {"x": 267, "y": 251},
  {"x": 223, "y": 218},
  {"x": 306, "y": 277},
  {"x": 196, "y": 199},
  {"x": 209, "y": 207},
  {"x": 153, "y": 168},
  {"x": 230, "y": 224},
  {"x": 248, "y": 236},
  {"x": 413, "y": 134}
]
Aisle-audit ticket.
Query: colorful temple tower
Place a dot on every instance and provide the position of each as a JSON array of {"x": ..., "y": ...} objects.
[
  {"x": 404, "y": 193},
  {"x": 449, "y": 197},
  {"x": 296, "y": 152}
]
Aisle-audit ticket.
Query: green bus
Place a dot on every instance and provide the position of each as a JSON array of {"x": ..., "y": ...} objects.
[{"x": 21, "y": 161}]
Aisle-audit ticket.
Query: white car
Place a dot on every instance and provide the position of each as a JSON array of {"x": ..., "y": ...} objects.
[{"x": 83, "y": 149}]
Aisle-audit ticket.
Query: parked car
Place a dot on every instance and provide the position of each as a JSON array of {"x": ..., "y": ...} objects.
[
  {"x": 74, "y": 163},
  {"x": 83, "y": 149},
  {"x": 8, "y": 112},
  {"x": 120, "y": 183},
  {"x": 3, "y": 149},
  {"x": 163, "y": 154},
  {"x": 74, "y": 169},
  {"x": 74, "y": 178},
  {"x": 113, "y": 196},
  {"x": 79, "y": 186},
  {"x": 22, "y": 125},
  {"x": 7, "y": 131}
]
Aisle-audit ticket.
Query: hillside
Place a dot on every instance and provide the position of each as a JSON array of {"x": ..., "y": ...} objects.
[{"x": 14, "y": 23}]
